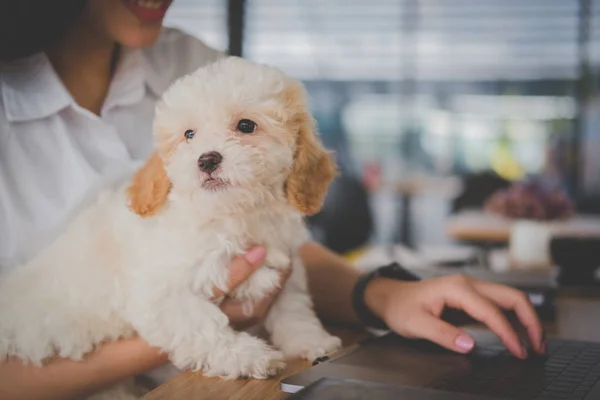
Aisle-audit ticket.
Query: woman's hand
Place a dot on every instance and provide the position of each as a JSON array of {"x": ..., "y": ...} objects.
[
  {"x": 413, "y": 310},
  {"x": 241, "y": 269}
]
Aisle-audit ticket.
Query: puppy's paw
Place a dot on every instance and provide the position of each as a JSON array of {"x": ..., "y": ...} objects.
[
  {"x": 278, "y": 259},
  {"x": 248, "y": 357},
  {"x": 264, "y": 280},
  {"x": 310, "y": 344},
  {"x": 261, "y": 365}
]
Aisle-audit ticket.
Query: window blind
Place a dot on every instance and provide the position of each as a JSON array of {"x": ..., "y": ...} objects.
[
  {"x": 205, "y": 19},
  {"x": 429, "y": 39}
]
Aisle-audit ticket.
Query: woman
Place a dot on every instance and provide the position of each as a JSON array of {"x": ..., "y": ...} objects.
[{"x": 78, "y": 86}]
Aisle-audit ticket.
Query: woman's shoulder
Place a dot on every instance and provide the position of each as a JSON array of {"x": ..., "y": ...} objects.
[{"x": 177, "y": 53}]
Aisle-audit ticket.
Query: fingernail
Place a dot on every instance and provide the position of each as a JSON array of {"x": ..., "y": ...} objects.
[
  {"x": 523, "y": 350},
  {"x": 464, "y": 343},
  {"x": 255, "y": 255}
]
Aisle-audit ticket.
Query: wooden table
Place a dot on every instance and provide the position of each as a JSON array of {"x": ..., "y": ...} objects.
[
  {"x": 478, "y": 226},
  {"x": 192, "y": 385},
  {"x": 407, "y": 189},
  {"x": 577, "y": 318}
]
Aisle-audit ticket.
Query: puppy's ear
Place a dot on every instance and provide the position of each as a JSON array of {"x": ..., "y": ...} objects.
[
  {"x": 312, "y": 171},
  {"x": 149, "y": 187}
]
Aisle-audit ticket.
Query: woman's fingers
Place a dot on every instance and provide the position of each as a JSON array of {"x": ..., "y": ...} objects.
[
  {"x": 466, "y": 298},
  {"x": 235, "y": 312},
  {"x": 429, "y": 327},
  {"x": 241, "y": 268},
  {"x": 512, "y": 299},
  {"x": 234, "y": 309}
]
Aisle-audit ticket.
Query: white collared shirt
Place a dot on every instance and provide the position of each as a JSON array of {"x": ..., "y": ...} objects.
[{"x": 53, "y": 152}]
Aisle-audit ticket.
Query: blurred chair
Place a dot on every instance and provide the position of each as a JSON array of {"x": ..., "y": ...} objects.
[
  {"x": 477, "y": 189},
  {"x": 345, "y": 222},
  {"x": 578, "y": 260},
  {"x": 589, "y": 205}
]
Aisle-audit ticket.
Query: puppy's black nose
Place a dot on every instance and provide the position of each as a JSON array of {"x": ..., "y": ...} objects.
[{"x": 208, "y": 162}]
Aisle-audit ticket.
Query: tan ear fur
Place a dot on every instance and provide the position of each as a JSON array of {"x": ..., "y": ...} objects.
[
  {"x": 312, "y": 171},
  {"x": 149, "y": 188}
]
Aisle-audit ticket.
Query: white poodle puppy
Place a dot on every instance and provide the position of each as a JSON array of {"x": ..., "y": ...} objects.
[{"x": 237, "y": 163}]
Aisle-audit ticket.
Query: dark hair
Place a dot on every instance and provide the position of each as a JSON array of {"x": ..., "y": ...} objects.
[
  {"x": 30, "y": 26},
  {"x": 345, "y": 223}
]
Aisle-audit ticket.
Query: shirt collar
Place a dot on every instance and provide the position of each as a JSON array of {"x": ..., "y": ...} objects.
[
  {"x": 134, "y": 74},
  {"x": 31, "y": 89},
  {"x": 156, "y": 81}
]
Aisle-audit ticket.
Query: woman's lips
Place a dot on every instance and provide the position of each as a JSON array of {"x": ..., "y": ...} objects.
[{"x": 148, "y": 10}]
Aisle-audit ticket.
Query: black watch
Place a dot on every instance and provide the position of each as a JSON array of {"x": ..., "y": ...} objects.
[{"x": 392, "y": 271}]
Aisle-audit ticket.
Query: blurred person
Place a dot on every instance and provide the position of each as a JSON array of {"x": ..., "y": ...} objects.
[{"x": 78, "y": 84}]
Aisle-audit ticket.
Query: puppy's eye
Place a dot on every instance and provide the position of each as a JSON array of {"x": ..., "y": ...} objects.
[
  {"x": 189, "y": 134},
  {"x": 246, "y": 126}
]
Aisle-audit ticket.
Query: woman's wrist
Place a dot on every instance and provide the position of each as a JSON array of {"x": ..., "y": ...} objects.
[
  {"x": 373, "y": 291},
  {"x": 377, "y": 294},
  {"x": 138, "y": 355},
  {"x": 126, "y": 358}
]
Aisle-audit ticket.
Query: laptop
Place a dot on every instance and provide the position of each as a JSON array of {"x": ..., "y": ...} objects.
[
  {"x": 422, "y": 370},
  {"x": 351, "y": 389}
]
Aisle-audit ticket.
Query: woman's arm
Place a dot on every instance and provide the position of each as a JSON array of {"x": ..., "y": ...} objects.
[
  {"x": 331, "y": 281},
  {"x": 67, "y": 379}
]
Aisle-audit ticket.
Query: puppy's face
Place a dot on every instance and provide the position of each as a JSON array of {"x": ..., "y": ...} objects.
[
  {"x": 226, "y": 126},
  {"x": 234, "y": 124}
]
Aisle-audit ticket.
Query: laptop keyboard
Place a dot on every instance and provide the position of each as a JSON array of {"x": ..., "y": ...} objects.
[{"x": 568, "y": 371}]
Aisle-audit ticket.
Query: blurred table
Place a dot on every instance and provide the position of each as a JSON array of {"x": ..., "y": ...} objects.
[
  {"x": 407, "y": 189},
  {"x": 478, "y": 226}
]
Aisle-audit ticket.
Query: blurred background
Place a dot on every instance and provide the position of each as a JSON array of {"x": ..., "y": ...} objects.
[{"x": 429, "y": 105}]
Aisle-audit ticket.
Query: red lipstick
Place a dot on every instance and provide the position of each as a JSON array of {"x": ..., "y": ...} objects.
[{"x": 148, "y": 10}]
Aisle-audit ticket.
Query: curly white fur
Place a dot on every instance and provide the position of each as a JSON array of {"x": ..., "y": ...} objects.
[{"x": 113, "y": 273}]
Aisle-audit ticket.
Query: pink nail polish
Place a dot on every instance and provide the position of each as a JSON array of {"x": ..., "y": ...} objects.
[
  {"x": 464, "y": 343},
  {"x": 255, "y": 255}
]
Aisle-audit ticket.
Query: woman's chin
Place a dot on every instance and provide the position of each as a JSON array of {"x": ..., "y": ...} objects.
[{"x": 140, "y": 36}]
